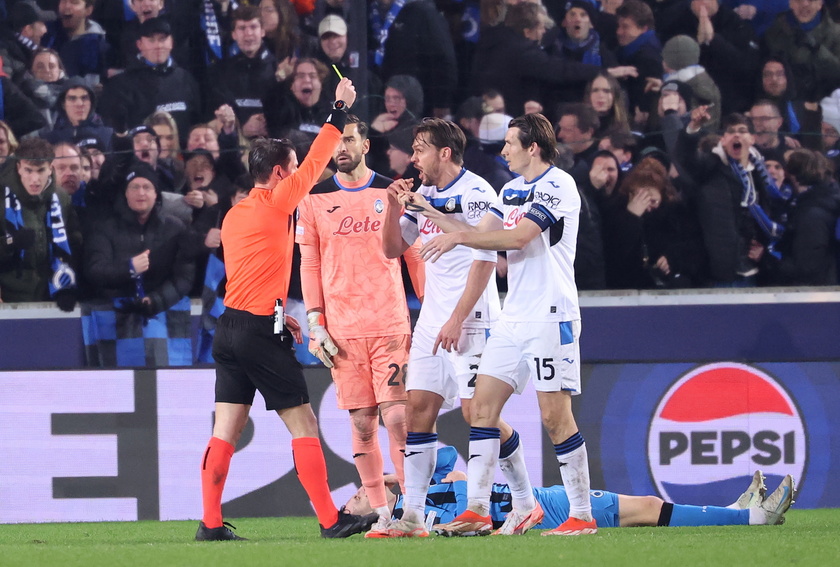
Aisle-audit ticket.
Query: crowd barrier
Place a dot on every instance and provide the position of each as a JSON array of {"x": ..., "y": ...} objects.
[{"x": 684, "y": 396}]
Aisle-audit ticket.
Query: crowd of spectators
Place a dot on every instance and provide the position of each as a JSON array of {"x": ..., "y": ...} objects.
[{"x": 703, "y": 134}]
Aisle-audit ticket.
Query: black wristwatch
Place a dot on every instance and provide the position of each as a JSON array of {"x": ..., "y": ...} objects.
[{"x": 340, "y": 105}]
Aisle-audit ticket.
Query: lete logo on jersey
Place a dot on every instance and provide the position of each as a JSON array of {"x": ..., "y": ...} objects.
[{"x": 718, "y": 424}]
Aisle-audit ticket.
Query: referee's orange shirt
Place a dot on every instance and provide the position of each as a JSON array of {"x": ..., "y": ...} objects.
[{"x": 258, "y": 233}]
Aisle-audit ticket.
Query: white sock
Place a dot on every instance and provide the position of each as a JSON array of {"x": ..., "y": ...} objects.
[
  {"x": 757, "y": 516},
  {"x": 481, "y": 468},
  {"x": 420, "y": 461},
  {"x": 574, "y": 469},
  {"x": 516, "y": 474}
]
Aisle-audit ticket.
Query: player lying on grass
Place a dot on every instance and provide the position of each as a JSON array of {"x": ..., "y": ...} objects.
[{"x": 448, "y": 497}]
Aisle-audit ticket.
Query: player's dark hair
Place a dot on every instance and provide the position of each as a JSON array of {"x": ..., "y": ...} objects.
[
  {"x": 361, "y": 126},
  {"x": 444, "y": 134},
  {"x": 536, "y": 129},
  {"x": 265, "y": 154},
  {"x": 35, "y": 149},
  {"x": 638, "y": 11},
  {"x": 244, "y": 13}
]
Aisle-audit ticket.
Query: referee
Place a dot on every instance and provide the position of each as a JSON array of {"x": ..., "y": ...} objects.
[{"x": 252, "y": 347}]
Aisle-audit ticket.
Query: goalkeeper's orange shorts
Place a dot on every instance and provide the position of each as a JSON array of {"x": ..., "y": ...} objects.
[{"x": 370, "y": 371}]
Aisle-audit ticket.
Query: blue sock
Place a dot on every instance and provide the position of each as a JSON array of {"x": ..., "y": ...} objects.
[{"x": 684, "y": 515}]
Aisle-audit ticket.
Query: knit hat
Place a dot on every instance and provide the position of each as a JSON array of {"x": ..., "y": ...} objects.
[
  {"x": 585, "y": 5},
  {"x": 411, "y": 90},
  {"x": 154, "y": 26},
  {"x": 493, "y": 127},
  {"x": 143, "y": 129},
  {"x": 142, "y": 169},
  {"x": 831, "y": 109},
  {"x": 680, "y": 51}
]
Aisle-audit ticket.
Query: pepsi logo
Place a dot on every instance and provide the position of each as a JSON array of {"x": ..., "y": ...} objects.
[{"x": 715, "y": 426}]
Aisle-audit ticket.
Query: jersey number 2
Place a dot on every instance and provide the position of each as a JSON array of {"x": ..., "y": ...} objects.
[{"x": 394, "y": 380}]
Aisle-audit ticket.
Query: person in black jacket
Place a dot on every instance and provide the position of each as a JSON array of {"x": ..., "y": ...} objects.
[
  {"x": 242, "y": 80},
  {"x": 733, "y": 188},
  {"x": 809, "y": 247},
  {"x": 640, "y": 48},
  {"x": 140, "y": 263},
  {"x": 509, "y": 59},
  {"x": 653, "y": 241},
  {"x": 577, "y": 39},
  {"x": 295, "y": 108},
  {"x": 152, "y": 82},
  {"x": 77, "y": 117}
]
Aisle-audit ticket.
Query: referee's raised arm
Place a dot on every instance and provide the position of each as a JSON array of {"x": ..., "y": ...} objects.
[
  {"x": 289, "y": 190},
  {"x": 252, "y": 347}
]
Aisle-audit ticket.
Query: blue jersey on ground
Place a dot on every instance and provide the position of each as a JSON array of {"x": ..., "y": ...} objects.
[{"x": 446, "y": 500}]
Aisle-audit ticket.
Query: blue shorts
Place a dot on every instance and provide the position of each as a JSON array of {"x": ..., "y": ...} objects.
[{"x": 555, "y": 504}]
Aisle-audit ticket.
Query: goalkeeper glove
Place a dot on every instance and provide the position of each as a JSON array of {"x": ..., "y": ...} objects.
[{"x": 320, "y": 341}]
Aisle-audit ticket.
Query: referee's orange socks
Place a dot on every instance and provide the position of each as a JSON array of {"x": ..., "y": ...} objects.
[
  {"x": 311, "y": 469},
  {"x": 214, "y": 471}
]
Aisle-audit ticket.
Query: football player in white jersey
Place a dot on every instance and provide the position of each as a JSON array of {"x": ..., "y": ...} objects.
[
  {"x": 537, "y": 333},
  {"x": 460, "y": 303}
]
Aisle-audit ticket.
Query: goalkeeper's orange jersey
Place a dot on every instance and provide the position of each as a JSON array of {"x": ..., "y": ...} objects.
[{"x": 343, "y": 269}]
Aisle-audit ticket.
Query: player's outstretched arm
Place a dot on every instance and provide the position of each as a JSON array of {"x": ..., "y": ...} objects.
[
  {"x": 419, "y": 204},
  {"x": 515, "y": 239}
]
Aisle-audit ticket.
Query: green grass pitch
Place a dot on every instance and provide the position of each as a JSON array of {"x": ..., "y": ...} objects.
[{"x": 810, "y": 537}]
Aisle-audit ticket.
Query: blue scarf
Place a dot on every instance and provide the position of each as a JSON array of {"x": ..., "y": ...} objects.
[
  {"x": 807, "y": 26},
  {"x": 629, "y": 50},
  {"x": 381, "y": 27},
  {"x": 793, "y": 120},
  {"x": 210, "y": 27},
  {"x": 63, "y": 275},
  {"x": 591, "y": 47},
  {"x": 749, "y": 198}
]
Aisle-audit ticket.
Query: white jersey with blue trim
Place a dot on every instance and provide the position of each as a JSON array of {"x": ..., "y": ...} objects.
[
  {"x": 541, "y": 276},
  {"x": 467, "y": 199}
]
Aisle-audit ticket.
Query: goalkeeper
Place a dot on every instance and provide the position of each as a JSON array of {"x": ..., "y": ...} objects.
[
  {"x": 447, "y": 497},
  {"x": 356, "y": 305}
]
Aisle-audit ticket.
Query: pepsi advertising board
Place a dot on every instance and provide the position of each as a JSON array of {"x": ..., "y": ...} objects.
[
  {"x": 126, "y": 444},
  {"x": 695, "y": 433}
]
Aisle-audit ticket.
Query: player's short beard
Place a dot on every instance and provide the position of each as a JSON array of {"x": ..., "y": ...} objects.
[{"x": 348, "y": 166}]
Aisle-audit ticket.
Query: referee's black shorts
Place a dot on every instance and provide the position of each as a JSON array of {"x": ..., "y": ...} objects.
[{"x": 250, "y": 357}]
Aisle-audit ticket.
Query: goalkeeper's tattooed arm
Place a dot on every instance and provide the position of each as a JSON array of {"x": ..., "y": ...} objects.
[{"x": 321, "y": 344}]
